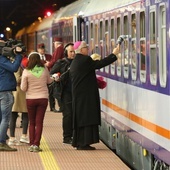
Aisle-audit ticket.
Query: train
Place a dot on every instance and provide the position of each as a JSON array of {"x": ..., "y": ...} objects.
[{"x": 135, "y": 105}]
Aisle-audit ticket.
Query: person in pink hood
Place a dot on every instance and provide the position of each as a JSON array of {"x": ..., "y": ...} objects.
[{"x": 86, "y": 101}]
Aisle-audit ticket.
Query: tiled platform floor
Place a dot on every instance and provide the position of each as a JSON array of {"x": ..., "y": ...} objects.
[{"x": 58, "y": 156}]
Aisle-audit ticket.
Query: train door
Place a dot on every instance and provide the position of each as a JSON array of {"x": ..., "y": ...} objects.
[
  {"x": 142, "y": 48},
  {"x": 119, "y": 56},
  {"x": 162, "y": 45},
  {"x": 77, "y": 28},
  {"x": 152, "y": 45},
  {"x": 112, "y": 46},
  {"x": 133, "y": 47}
]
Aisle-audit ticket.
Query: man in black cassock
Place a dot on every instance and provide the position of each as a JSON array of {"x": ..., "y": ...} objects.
[{"x": 86, "y": 100}]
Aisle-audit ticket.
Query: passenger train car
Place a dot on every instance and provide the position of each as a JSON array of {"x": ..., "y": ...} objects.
[{"x": 135, "y": 105}]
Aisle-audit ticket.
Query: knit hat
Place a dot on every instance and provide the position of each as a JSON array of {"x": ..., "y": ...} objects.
[{"x": 78, "y": 45}]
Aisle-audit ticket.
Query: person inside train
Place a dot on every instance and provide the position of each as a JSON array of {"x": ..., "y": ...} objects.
[
  {"x": 35, "y": 79},
  {"x": 47, "y": 58},
  {"x": 62, "y": 66},
  {"x": 8, "y": 84},
  {"x": 58, "y": 54},
  {"x": 86, "y": 101},
  {"x": 19, "y": 106}
]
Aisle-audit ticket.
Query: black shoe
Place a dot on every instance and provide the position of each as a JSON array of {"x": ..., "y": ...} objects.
[
  {"x": 54, "y": 110},
  {"x": 87, "y": 147},
  {"x": 67, "y": 141},
  {"x": 5, "y": 147}
]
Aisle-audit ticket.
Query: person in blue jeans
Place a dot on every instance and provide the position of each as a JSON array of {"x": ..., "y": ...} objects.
[{"x": 8, "y": 65}]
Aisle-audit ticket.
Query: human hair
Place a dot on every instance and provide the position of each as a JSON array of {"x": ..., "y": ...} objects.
[{"x": 34, "y": 60}]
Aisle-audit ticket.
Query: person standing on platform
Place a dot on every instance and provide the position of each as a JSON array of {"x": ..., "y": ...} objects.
[
  {"x": 86, "y": 101},
  {"x": 35, "y": 79},
  {"x": 58, "y": 54},
  {"x": 19, "y": 106},
  {"x": 8, "y": 84},
  {"x": 62, "y": 66},
  {"x": 47, "y": 58}
]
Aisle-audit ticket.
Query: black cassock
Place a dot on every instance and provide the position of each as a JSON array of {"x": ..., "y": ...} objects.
[{"x": 86, "y": 101}]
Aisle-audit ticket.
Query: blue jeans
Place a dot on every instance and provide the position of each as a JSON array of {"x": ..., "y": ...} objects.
[{"x": 6, "y": 103}]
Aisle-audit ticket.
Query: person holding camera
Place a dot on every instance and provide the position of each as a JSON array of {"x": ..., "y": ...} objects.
[
  {"x": 8, "y": 65},
  {"x": 86, "y": 100}
]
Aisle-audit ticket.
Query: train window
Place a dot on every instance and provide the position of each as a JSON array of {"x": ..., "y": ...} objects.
[
  {"x": 133, "y": 49},
  {"x": 91, "y": 31},
  {"x": 125, "y": 50},
  {"x": 112, "y": 31},
  {"x": 162, "y": 46},
  {"x": 101, "y": 30},
  {"x": 152, "y": 51},
  {"x": 119, "y": 56},
  {"x": 96, "y": 33},
  {"x": 142, "y": 55},
  {"x": 82, "y": 32},
  {"x": 87, "y": 33},
  {"x": 107, "y": 49},
  {"x": 101, "y": 41}
]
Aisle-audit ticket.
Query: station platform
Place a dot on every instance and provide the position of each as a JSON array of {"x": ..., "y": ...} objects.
[{"x": 56, "y": 155}]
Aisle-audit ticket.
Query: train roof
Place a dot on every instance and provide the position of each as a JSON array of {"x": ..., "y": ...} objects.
[
  {"x": 71, "y": 10},
  {"x": 77, "y": 8},
  {"x": 99, "y": 6}
]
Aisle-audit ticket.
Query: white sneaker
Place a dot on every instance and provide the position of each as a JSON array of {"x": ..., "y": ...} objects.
[
  {"x": 13, "y": 142},
  {"x": 24, "y": 140}
]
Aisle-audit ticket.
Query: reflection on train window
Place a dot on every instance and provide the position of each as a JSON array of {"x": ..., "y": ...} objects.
[
  {"x": 82, "y": 32},
  {"x": 112, "y": 29},
  {"x": 87, "y": 33},
  {"x": 118, "y": 27},
  {"x": 142, "y": 54},
  {"x": 133, "y": 25},
  {"x": 92, "y": 46},
  {"x": 119, "y": 56},
  {"x": 112, "y": 67},
  {"x": 162, "y": 46},
  {"x": 91, "y": 31},
  {"x": 133, "y": 54},
  {"x": 96, "y": 33},
  {"x": 142, "y": 41},
  {"x": 133, "y": 42},
  {"x": 152, "y": 54},
  {"x": 142, "y": 24},
  {"x": 106, "y": 44},
  {"x": 101, "y": 30},
  {"x": 152, "y": 28},
  {"x": 126, "y": 42}
]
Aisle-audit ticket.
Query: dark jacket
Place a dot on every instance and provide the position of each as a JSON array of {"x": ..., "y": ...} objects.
[
  {"x": 62, "y": 66},
  {"x": 86, "y": 101},
  {"x": 7, "y": 69}
]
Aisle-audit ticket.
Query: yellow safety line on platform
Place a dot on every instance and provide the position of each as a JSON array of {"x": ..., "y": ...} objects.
[{"x": 47, "y": 157}]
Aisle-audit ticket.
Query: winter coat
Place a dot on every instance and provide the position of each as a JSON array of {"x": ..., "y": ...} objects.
[
  {"x": 86, "y": 101},
  {"x": 7, "y": 69}
]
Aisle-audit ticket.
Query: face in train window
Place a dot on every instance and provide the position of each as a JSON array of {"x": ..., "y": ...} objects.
[{"x": 142, "y": 54}]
